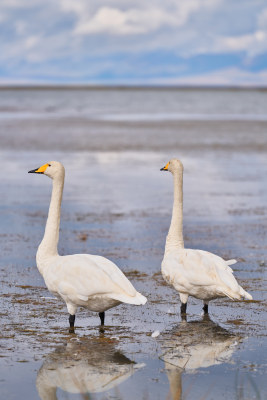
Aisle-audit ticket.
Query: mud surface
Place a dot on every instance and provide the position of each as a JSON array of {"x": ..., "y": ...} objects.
[{"x": 118, "y": 204}]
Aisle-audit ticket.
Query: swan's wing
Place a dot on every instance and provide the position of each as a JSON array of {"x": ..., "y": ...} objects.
[
  {"x": 224, "y": 272},
  {"x": 219, "y": 262},
  {"x": 225, "y": 281},
  {"x": 189, "y": 268},
  {"x": 198, "y": 271},
  {"x": 114, "y": 272},
  {"x": 193, "y": 268},
  {"x": 84, "y": 275},
  {"x": 126, "y": 288}
]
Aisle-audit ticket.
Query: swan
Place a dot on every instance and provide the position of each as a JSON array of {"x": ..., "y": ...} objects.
[
  {"x": 85, "y": 280},
  {"x": 191, "y": 272}
]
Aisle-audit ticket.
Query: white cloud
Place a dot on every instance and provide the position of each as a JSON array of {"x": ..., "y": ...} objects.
[
  {"x": 262, "y": 19},
  {"x": 79, "y": 7},
  {"x": 253, "y": 44},
  {"x": 112, "y": 20},
  {"x": 88, "y": 35},
  {"x": 31, "y": 42},
  {"x": 187, "y": 26},
  {"x": 145, "y": 19}
]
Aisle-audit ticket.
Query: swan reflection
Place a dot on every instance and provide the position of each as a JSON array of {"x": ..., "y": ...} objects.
[
  {"x": 193, "y": 345},
  {"x": 83, "y": 367}
]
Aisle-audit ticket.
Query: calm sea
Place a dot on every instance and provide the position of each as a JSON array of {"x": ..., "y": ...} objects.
[{"x": 133, "y": 119}]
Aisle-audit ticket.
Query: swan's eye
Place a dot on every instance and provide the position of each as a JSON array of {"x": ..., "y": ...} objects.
[{"x": 49, "y": 165}]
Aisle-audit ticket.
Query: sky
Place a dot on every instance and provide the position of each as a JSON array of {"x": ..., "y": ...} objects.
[{"x": 168, "y": 42}]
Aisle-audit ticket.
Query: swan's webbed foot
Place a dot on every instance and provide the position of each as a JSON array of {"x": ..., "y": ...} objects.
[
  {"x": 102, "y": 318},
  {"x": 183, "y": 309},
  {"x": 71, "y": 321},
  {"x": 206, "y": 308}
]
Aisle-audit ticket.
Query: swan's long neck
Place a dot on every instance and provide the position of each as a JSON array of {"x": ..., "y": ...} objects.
[
  {"x": 174, "y": 238},
  {"x": 48, "y": 246}
]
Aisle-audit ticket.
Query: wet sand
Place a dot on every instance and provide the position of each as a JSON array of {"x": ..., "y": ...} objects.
[{"x": 118, "y": 204}]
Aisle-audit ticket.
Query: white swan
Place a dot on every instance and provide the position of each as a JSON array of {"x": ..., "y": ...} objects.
[
  {"x": 83, "y": 280},
  {"x": 194, "y": 273}
]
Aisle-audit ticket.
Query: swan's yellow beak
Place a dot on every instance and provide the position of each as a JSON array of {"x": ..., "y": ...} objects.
[
  {"x": 40, "y": 170},
  {"x": 166, "y": 167}
]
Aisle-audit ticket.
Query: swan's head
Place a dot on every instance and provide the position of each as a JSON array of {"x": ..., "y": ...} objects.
[
  {"x": 53, "y": 169},
  {"x": 174, "y": 165}
]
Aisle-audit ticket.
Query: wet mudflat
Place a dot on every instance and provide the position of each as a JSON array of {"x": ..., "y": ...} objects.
[
  {"x": 118, "y": 204},
  {"x": 121, "y": 208}
]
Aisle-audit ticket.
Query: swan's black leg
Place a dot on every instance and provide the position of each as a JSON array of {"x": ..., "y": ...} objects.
[
  {"x": 71, "y": 321},
  {"x": 206, "y": 308},
  {"x": 183, "y": 308},
  {"x": 183, "y": 311},
  {"x": 102, "y": 317}
]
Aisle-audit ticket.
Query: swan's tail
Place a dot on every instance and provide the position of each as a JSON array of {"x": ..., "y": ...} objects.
[
  {"x": 138, "y": 299},
  {"x": 241, "y": 294},
  {"x": 231, "y": 262},
  {"x": 245, "y": 294}
]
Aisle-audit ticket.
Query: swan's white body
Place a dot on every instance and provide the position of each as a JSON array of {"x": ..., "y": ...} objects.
[
  {"x": 201, "y": 274},
  {"x": 196, "y": 273},
  {"x": 83, "y": 280},
  {"x": 89, "y": 281}
]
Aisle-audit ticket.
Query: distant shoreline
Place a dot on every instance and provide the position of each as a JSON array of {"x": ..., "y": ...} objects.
[{"x": 128, "y": 87}]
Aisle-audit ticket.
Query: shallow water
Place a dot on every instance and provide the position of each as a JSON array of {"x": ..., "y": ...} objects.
[{"x": 118, "y": 204}]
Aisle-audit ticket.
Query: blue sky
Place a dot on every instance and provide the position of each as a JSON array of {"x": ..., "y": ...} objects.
[{"x": 217, "y": 42}]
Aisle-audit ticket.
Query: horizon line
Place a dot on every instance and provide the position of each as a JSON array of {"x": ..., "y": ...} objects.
[{"x": 127, "y": 86}]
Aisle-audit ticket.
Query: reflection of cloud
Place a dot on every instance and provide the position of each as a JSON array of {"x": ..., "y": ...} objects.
[
  {"x": 85, "y": 366},
  {"x": 193, "y": 345}
]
